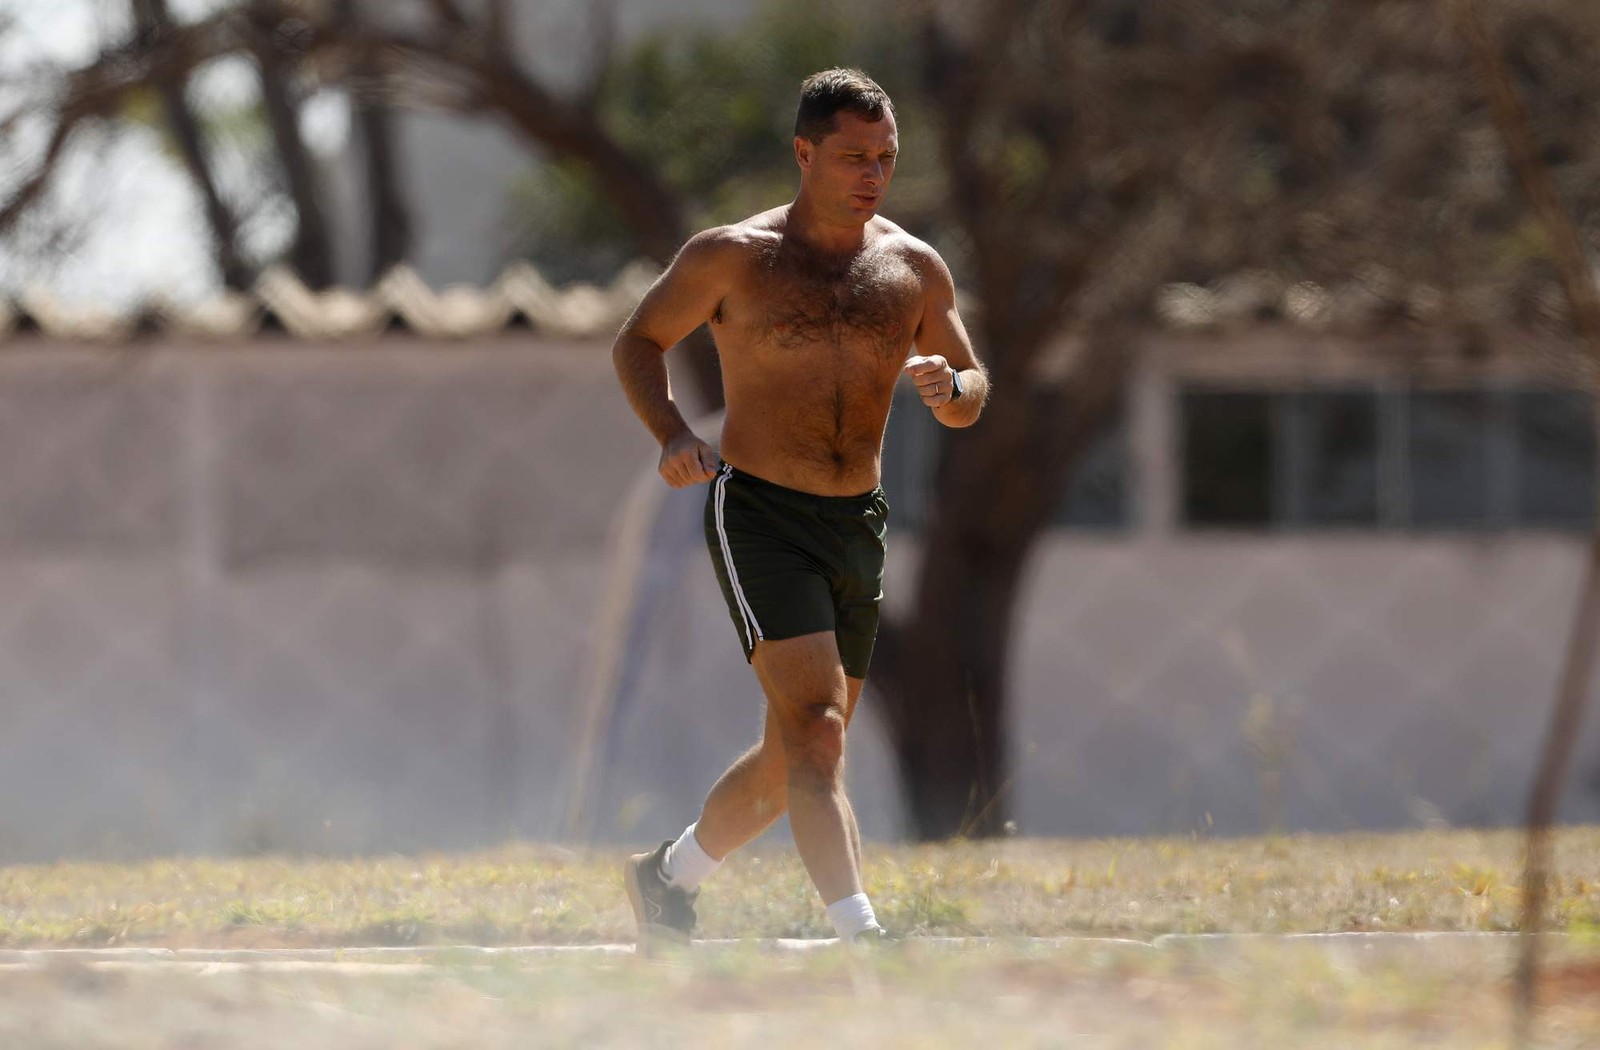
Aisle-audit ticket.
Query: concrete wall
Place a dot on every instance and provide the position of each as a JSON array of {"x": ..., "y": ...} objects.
[{"x": 416, "y": 596}]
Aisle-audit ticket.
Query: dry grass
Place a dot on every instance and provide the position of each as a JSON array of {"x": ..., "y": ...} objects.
[{"x": 1456, "y": 880}]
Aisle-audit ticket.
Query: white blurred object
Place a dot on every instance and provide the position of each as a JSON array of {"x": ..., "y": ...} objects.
[
  {"x": 337, "y": 313},
  {"x": 60, "y": 321},
  {"x": 459, "y": 312},
  {"x": 227, "y": 315}
]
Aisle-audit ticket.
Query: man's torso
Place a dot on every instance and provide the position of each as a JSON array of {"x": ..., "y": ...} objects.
[{"x": 811, "y": 347}]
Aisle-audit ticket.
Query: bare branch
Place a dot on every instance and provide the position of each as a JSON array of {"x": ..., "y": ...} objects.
[
  {"x": 312, "y": 253},
  {"x": 154, "y": 24},
  {"x": 497, "y": 86},
  {"x": 388, "y": 221},
  {"x": 36, "y": 183},
  {"x": 98, "y": 89}
]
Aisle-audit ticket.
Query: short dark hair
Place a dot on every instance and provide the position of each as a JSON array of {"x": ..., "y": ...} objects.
[{"x": 824, "y": 94}]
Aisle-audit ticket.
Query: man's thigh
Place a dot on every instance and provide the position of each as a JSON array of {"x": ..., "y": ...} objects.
[{"x": 802, "y": 672}]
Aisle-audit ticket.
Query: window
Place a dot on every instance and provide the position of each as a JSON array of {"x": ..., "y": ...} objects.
[
  {"x": 1555, "y": 454},
  {"x": 1332, "y": 474},
  {"x": 1463, "y": 458},
  {"x": 1449, "y": 436},
  {"x": 1096, "y": 491},
  {"x": 1227, "y": 458}
]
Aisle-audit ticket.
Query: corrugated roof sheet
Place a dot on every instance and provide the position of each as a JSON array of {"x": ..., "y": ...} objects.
[
  {"x": 521, "y": 295},
  {"x": 280, "y": 299}
]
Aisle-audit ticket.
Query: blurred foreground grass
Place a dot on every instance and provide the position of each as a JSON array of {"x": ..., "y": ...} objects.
[
  {"x": 1259, "y": 994},
  {"x": 530, "y": 894}
]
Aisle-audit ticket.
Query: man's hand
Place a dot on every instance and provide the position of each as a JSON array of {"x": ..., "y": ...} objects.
[
  {"x": 686, "y": 460},
  {"x": 934, "y": 377}
]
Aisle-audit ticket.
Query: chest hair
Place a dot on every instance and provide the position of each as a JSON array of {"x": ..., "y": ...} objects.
[{"x": 859, "y": 303}]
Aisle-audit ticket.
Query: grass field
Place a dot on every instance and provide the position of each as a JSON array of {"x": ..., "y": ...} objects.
[
  {"x": 1007, "y": 993},
  {"x": 527, "y": 894}
]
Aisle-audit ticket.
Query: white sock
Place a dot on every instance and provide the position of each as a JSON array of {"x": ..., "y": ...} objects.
[
  {"x": 851, "y": 916},
  {"x": 686, "y": 865}
]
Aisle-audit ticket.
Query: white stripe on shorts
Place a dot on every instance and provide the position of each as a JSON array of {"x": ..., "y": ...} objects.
[{"x": 752, "y": 629}]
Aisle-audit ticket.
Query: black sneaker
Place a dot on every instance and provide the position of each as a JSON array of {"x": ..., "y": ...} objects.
[{"x": 665, "y": 914}]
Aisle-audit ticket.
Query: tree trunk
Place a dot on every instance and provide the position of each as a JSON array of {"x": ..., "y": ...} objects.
[
  {"x": 312, "y": 252},
  {"x": 155, "y": 28},
  {"x": 388, "y": 220},
  {"x": 945, "y": 694},
  {"x": 942, "y": 675}
]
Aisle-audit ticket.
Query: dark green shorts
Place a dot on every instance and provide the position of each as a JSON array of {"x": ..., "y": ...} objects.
[{"x": 791, "y": 563}]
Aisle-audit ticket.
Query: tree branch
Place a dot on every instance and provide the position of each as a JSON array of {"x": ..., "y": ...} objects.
[
  {"x": 388, "y": 220},
  {"x": 36, "y": 183},
  {"x": 98, "y": 89},
  {"x": 154, "y": 25},
  {"x": 654, "y": 212},
  {"x": 312, "y": 253}
]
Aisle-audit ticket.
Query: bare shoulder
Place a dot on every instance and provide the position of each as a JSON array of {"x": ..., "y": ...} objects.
[
  {"x": 919, "y": 254},
  {"x": 714, "y": 247}
]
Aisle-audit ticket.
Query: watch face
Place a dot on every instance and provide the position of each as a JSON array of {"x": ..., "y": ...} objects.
[{"x": 956, "y": 389}]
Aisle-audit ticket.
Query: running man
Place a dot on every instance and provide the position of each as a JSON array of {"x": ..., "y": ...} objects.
[{"x": 815, "y": 307}]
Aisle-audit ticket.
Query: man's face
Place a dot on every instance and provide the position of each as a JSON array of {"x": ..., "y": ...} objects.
[{"x": 848, "y": 172}]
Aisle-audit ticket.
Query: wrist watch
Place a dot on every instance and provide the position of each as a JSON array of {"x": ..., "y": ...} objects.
[{"x": 956, "y": 389}]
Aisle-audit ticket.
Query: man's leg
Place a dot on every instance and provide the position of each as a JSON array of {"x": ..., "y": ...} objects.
[
  {"x": 806, "y": 698},
  {"x": 757, "y": 789},
  {"x": 754, "y": 792}
]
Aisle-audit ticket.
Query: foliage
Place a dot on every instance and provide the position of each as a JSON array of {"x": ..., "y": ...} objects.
[{"x": 713, "y": 112}]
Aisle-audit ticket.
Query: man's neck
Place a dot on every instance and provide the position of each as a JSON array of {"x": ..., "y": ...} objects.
[{"x": 810, "y": 228}]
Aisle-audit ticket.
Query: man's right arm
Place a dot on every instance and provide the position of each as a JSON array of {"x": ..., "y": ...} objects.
[{"x": 681, "y": 300}]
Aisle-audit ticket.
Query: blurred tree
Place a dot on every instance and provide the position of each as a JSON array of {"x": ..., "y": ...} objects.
[
  {"x": 153, "y": 25},
  {"x": 1096, "y": 149},
  {"x": 277, "y": 39},
  {"x": 388, "y": 220},
  {"x": 712, "y": 111}
]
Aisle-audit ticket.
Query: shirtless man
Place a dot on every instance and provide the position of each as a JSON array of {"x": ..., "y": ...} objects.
[{"x": 815, "y": 307}]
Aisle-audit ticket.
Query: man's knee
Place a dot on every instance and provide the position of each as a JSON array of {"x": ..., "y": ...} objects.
[{"x": 813, "y": 740}]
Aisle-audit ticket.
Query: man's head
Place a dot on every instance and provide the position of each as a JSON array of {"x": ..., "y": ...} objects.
[
  {"x": 823, "y": 95},
  {"x": 845, "y": 141}
]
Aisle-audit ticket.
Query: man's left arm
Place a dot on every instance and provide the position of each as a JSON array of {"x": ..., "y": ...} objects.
[{"x": 944, "y": 351}]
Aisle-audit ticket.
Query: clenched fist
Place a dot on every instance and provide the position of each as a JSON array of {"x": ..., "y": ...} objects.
[
  {"x": 686, "y": 460},
  {"x": 934, "y": 377}
]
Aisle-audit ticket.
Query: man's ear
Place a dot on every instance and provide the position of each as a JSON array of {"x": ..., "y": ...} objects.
[{"x": 803, "y": 150}]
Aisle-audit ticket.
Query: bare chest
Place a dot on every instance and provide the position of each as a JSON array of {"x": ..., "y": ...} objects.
[{"x": 862, "y": 311}]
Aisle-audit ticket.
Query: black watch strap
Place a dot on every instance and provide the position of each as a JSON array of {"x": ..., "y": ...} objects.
[{"x": 956, "y": 389}]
